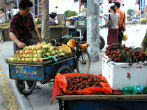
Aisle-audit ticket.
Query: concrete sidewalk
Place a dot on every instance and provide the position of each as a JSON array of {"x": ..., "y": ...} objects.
[
  {"x": 7, "y": 98},
  {"x": 6, "y": 50}
]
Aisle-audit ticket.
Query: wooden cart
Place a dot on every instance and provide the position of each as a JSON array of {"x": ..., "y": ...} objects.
[
  {"x": 102, "y": 102},
  {"x": 27, "y": 74}
]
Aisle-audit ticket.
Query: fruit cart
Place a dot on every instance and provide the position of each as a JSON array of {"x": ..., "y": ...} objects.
[
  {"x": 26, "y": 74},
  {"x": 102, "y": 102}
]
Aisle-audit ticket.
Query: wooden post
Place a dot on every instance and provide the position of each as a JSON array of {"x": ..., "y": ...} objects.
[{"x": 93, "y": 29}]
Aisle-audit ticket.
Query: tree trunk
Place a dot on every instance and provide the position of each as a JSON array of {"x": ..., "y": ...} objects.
[
  {"x": 93, "y": 30},
  {"x": 45, "y": 18}
]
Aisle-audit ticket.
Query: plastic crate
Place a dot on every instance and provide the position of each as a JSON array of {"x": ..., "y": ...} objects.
[{"x": 120, "y": 75}]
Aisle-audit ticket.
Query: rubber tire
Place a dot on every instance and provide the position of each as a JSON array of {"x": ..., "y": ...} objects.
[
  {"x": 64, "y": 68},
  {"x": 89, "y": 60},
  {"x": 102, "y": 42},
  {"x": 18, "y": 82}
]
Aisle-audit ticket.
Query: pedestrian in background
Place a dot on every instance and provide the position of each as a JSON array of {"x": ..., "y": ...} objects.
[
  {"x": 15, "y": 11},
  {"x": 52, "y": 18},
  {"x": 2, "y": 16},
  {"x": 121, "y": 23},
  {"x": 22, "y": 25},
  {"x": 113, "y": 29},
  {"x": 2, "y": 20},
  {"x": 9, "y": 14}
]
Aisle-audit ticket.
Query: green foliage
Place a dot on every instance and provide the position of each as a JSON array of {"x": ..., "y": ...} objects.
[
  {"x": 66, "y": 12},
  {"x": 130, "y": 12},
  {"x": 69, "y": 13}
]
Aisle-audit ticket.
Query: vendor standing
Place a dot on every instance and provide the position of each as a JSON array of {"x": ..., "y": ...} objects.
[
  {"x": 22, "y": 25},
  {"x": 2, "y": 20},
  {"x": 2, "y": 16}
]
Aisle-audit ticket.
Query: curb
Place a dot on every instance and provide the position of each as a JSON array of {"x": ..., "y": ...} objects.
[{"x": 22, "y": 101}]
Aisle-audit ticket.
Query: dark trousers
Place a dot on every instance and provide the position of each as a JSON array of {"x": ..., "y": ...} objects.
[{"x": 120, "y": 34}]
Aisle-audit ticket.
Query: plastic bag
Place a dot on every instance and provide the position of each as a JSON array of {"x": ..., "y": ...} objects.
[
  {"x": 125, "y": 36},
  {"x": 71, "y": 43},
  {"x": 61, "y": 80}
]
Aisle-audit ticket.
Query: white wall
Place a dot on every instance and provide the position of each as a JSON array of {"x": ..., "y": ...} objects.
[
  {"x": 130, "y": 4},
  {"x": 63, "y": 5}
]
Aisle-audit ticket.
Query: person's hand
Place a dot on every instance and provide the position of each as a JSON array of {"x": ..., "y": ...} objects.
[
  {"x": 21, "y": 44},
  {"x": 40, "y": 38}
]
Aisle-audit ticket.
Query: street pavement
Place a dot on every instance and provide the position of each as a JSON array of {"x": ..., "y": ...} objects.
[
  {"x": 40, "y": 98},
  {"x": 7, "y": 97}
]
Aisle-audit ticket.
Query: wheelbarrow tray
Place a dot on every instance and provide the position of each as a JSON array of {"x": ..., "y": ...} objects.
[
  {"x": 101, "y": 102},
  {"x": 37, "y": 71}
]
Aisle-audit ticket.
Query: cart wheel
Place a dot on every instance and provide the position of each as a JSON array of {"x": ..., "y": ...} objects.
[
  {"x": 25, "y": 87},
  {"x": 64, "y": 70},
  {"x": 102, "y": 43},
  {"x": 83, "y": 62}
]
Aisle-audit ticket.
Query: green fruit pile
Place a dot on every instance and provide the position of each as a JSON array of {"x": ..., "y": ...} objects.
[{"x": 36, "y": 53}]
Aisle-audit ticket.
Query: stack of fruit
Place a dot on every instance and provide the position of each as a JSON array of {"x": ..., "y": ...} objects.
[
  {"x": 83, "y": 81},
  {"x": 121, "y": 53},
  {"x": 36, "y": 53}
]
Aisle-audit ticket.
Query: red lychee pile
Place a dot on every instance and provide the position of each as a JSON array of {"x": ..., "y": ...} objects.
[
  {"x": 121, "y": 53},
  {"x": 83, "y": 81}
]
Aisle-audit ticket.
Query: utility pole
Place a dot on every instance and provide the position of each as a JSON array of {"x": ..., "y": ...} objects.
[
  {"x": 93, "y": 29},
  {"x": 17, "y": 3},
  {"x": 33, "y": 9},
  {"x": 45, "y": 31}
]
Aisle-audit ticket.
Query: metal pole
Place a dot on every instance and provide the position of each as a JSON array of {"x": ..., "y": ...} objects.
[
  {"x": 17, "y": 3},
  {"x": 140, "y": 7}
]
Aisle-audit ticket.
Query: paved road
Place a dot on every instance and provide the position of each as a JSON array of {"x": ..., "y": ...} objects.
[
  {"x": 40, "y": 98},
  {"x": 135, "y": 35}
]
